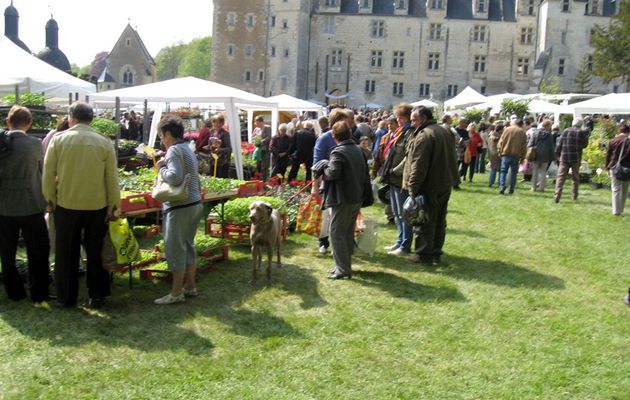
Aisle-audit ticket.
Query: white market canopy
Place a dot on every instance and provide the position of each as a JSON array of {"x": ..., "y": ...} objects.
[
  {"x": 31, "y": 74},
  {"x": 425, "y": 103},
  {"x": 194, "y": 91},
  {"x": 614, "y": 103},
  {"x": 467, "y": 97}
]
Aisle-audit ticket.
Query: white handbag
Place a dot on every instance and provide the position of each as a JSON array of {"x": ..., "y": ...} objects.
[{"x": 165, "y": 192}]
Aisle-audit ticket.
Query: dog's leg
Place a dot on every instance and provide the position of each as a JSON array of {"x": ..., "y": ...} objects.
[
  {"x": 269, "y": 259},
  {"x": 255, "y": 260},
  {"x": 278, "y": 250}
]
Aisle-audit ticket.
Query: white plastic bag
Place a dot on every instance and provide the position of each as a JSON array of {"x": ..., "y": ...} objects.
[{"x": 367, "y": 236}]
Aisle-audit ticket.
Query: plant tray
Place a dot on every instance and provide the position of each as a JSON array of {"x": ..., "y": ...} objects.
[
  {"x": 149, "y": 233},
  {"x": 134, "y": 203},
  {"x": 237, "y": 232},
  {"x": 250, "y": 188},
  {"x": 213, "y": 255},
  {"x": 156, "y": 275}
]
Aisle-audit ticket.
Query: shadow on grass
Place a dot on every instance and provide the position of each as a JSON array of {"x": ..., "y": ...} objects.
[
  {"x": 403, "y": 288},
  {"x": 495, "y": 272},
  {"x": 471, "y": 233}
]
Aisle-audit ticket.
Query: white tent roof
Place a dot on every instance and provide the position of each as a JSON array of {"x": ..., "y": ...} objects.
[
  {"x": 290, "y": 103},
  {"x": 467, "y": 97},
  {"x": 544, "y": 107},
  {"x": 195, "y": 90},
  {"x": 34, "y": 75},
  {"x": 425, "y": 103},
  {"x": 614, "y": 103}
]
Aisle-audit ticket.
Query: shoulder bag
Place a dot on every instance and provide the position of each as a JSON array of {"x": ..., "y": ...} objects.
[
  {"x": 165, "y": 192},
  {"x": 620, "y": 172}
]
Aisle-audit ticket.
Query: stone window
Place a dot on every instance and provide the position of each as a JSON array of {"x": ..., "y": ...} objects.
[
  {"x": 248, "y": 76},
  {"x": 480, "y": 64},
  {"x": 272, "y": 22},
  {"x": 286, "y": 53},
  {"x": 401, "y": 3},
  {"x": 589, "y": 62},
  {"x": 435, "y": 31},
  {"x": 249, "y": 20},
  {"x": 482, "y": 90},
  {"x": 365, "y": 3},
  {"x": 285, "y": 24},
  {"x": 434, "y": 62},
  {"x": 451, "y": 91},
  {"x": 425, "y": 90},
  {"x": 231, "y": 19},
  {"x": 479, "y": 33},
  {"x": 527, "y": 34},
  {"x": 522, "y": 66},
  {"x": 398, "y": 89},
  {"x": 127, "y": 75},
  {"x": 593, "y": 6},
  {"x": 481, "y": 6},
  {"x": 330, "y": 3},
  {"x": 376, "y": 60},
  {"x": 561, "y": 63},
  {"x": 261, "y": 75},
  {"x": 378, "y": 28},
  {"x": 273, "y": 51},
  {"x": 248, "y": 50},
  {"x": 329, "y": 24},
  {"x": 437, "y": 4},
  {"x": 398, "y": 61},
  {"x": 284, "y": 82},
  {"x": 566, "y": 5},
  {"x": 370, "y": 86},
  {"x": 530, "y": 7},
  {"x": 128, "y": 42},
  {"x": 336, "y": 57},
  {"x": 229, "y": 50}
]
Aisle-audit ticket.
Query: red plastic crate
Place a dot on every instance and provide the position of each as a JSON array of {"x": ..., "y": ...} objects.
[
  {"x": 213, "y": 255},
  {"x": 151, "y": 202},
  {"x": 250, "y": 188},
  {"x": 237, "y": 232},
  {"x": 134, "y": 203},
  {"x": 156, "y": 274}
]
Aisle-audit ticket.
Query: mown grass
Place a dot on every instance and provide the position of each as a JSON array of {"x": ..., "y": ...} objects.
[{"x": 526, "y": 306}]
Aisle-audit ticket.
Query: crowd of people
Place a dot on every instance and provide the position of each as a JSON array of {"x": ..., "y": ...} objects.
[{"x": 72, "y": 176}]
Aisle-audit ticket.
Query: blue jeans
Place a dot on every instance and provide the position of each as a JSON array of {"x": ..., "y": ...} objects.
[
  {"x": 511, "y": 163},
  {"x": 493, "y": 177},
  {"x": 405, "y": 230}
]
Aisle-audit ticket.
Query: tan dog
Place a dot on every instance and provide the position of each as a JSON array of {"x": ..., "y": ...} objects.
[{"x": 265, "y": 232}]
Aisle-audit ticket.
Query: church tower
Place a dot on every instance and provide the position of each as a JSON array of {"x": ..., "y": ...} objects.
[
  {"x": 11, "y": 18},
  {"x": 51, "y": 53}
]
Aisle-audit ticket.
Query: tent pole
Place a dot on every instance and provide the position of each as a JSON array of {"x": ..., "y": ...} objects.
[
  {"x": 145, "y": 120},
  {"x": 17, "y": 94},
  {"x": 117, "y": 116}
]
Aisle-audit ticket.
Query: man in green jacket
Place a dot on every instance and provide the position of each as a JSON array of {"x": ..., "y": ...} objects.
[{"x": 430, "y": 169}]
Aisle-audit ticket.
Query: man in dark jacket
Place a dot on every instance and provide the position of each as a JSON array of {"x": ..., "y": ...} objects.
[
  {"x": 430, "y": 169},
  {"x": 280, "y": 148},
  {"x": 304, "y": 144},
  {"x": 614, "y": 154},
  {"x": 22, "y": 208},
  {"x": 346, "y": 175},
  {"x": 569, "y": 154}
]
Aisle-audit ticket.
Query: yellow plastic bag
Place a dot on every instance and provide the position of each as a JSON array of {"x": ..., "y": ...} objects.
[
  {"x": 309, "y": 219},
  {"x": 126, "y": 245}
]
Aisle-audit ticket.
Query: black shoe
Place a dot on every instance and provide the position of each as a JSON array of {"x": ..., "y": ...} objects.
[
  {"x": 502, "y": 190},
  {"x": 457, "y": 188},
  {"x": 59, "y": 304},
  {"x": 556, "y": 199},
  {"x": 339, "y": 276},
  {"x": 97, "y": 302},
  {"x": 391, "y": 221}
]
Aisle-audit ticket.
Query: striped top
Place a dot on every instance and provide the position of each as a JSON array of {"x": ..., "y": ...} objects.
[{"x": 173, "y": 172}]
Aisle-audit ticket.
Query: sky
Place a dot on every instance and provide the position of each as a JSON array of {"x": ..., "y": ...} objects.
[{"x": 87, "y": 27}]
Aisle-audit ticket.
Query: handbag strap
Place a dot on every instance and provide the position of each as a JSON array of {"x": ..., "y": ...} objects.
[{"x": 623, "y": 145}]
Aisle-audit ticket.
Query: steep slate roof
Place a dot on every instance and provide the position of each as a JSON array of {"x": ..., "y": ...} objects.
[
  {"x": 135, "y": 34},
  {"x": 385, "y": 7},
  {"x": 349, "y": 7},
  {"x": 105, "y": 77},
  {"x": 495, "y": 10},
  {"x": 459, "y": 9},
  {"x": 609, "y": 8},
  {"x": 418, "y": 8},
  {"x": 509, "y": 10}
]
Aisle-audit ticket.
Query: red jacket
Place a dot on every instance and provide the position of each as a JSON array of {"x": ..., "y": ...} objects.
[{"x": 474, "y": 144}]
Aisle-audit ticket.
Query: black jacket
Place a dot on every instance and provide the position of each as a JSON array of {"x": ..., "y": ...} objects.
[{"x": 346, "y": 174}]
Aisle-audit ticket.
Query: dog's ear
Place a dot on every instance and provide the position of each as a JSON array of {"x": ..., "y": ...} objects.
[{"x": 269, "y": 208}]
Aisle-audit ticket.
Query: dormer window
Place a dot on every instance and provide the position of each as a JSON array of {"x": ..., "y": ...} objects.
[
  {"x": 128, "y": 42},
  {"x": 481, "y": 6},
  {"x": 401, "y": 3}
]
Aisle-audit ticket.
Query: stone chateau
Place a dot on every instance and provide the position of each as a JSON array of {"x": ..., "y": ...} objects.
[{"x": 388, "y": 51}]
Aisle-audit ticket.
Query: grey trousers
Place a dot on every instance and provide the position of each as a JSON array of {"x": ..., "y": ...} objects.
[
  {"x": 619, "y": 191},
  {"x": 563, "y": 171},
  {"x": 342, "y": 222}
]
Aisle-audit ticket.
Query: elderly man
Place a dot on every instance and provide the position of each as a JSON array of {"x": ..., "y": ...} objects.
[
  {"x": 280, "y": 151},
  {"x": 512, "y": 148},
  {"x": 80, "y": 183},
  {"x": 569, "y": 154},
  {"x": 430, "y": 169},
  {"x": 22, "y": 208},
  {"x": 303, "y": 151}
]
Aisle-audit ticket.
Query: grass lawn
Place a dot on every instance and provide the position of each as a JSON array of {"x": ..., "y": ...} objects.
[{"x": 528, "y": 305}]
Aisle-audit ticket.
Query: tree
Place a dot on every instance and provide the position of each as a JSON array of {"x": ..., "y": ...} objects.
[
  {"x": 168, "y": 60},
  {"x": 550, "y": 85},
  {"x": 517, "y": 107},
  {"x": 191, "y": 59},
  {"x": 611, "y": 59},
  {"x": 196, "y": 58},
  {"x": 582, "y": 80},
  {"x": 98, "y": 64}
]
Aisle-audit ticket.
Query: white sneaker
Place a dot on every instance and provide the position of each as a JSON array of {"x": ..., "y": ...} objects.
[
  {"x": 323, "y": 250},
  {"x": 190, "y": 293},
  {"x": 392, "y": 247},
  {"x": 398, "y": 252},
  {"x": 170, "y": 299}
]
